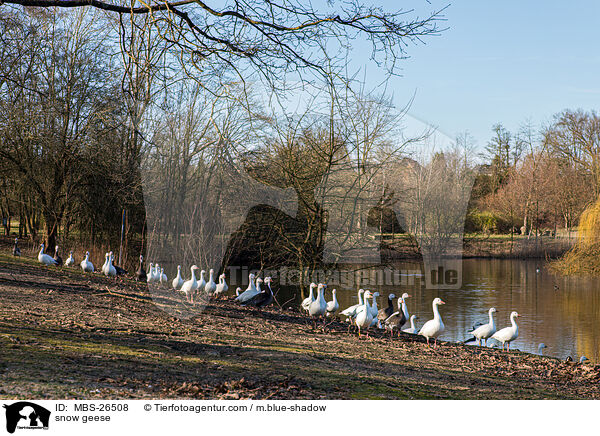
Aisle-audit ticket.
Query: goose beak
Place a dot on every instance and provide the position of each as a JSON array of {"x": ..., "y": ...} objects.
[{"x": 441, "y": 302}]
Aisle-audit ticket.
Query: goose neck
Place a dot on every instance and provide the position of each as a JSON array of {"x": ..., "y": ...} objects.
[{"x": 436, "y": 313}]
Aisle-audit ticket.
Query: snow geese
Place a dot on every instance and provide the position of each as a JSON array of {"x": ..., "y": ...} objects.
[
  {"x": 412, "y": 329},
  {"x": 405, "y": 308},
  {"x": 150, "y": 275},
  {"x": 508, "y": 334},
  {"x": 190, "y": 286},
  {"x": 109, "y": 270},
  {"x": 396, "y": 320},
  {"x": 201, "y": 283},
  {"x": 86, "y": 265},
  {"x": 163, "y": 277},
  {"x": 318, "y": 307},
  {"x": 156, "y": 273},
  {"x": 44, "y": 258},
  {"x": 140, "y": 274},
  {"x": 221, "y": 287},
  {"x": 434, "y": 327},
  {"x": 57, "y": 257},
  {"x": 333, "y": 306},
  {"x": 373, "y": 307},
  {"x": 364, "y": 317},
  {"x": 485, "y": 331},
  {"x": 70, "y": 260},
  {"x": 350, "y": 312},
  {"x": 105, "y": 264},
  {"x": 178, "y": 281},
  {"x": 386, "y": 312},
  {"x": 262, "y": 299},
  {"x": 311, "y": 297},
  {"x": 249, "y": 292},
  {"x": 211, "y": 286},
  {"x": 16, "y": 251}
]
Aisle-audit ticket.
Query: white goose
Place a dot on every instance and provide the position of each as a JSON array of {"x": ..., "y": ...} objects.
[
  {"x": 70, "y": 260},
  {"x": 333, "y": 306},
  {"x": 374, "y": 309},
  {"x": 178, "y": 281},
  {"x": 190, "y": 286},
  {"x": 211, "y": 286},
  {"x": 508, "y": 334},
  {"x": 364, "y": 317},
  {"x": 412, "y": 329},
  {"x": 311, "y": 297},
  {"x": 222, "y": 286},
  {"x": 105, "y": 264},
  {"x": 484, "y": 332},
  {"x": 249, "y": 292},
  {"x": 156, "y": 273},
  {"x": 541, "y": 348},
  {"x": 86, "y": 265},
  {"x": 350, "y": 312},
  {"x": 318, "y": 308},
  {"x": 201, "y": 282},
  {"x": 110, "y": 271},
  {"x": 163, "y": 276},
  {"x": 44, "y": 258},
  {"x": 405, "y": 308},
  {"x": 434, "y": 327},
  {"x": 150, "y": 274}
]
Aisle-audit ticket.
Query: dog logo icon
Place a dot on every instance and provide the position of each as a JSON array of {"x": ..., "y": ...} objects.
[{"x": 26, "y": 415}]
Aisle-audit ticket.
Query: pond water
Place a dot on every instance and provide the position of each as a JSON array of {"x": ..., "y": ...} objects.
[{"x": 562, "y": 312}]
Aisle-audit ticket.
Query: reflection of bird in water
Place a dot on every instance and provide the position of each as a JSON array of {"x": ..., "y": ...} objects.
[
  {"x": 556, "y": 288},
  {"x": 537, "y": 269}
]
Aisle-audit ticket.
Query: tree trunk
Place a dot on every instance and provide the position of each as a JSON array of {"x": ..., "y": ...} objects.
[{"x": 51, "y": 232}]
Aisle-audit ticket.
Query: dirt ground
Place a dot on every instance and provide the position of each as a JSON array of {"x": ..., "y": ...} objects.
[{"x": 67, "y": 335}]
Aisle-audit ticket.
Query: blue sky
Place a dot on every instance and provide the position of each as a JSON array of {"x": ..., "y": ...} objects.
[{"x": 501, "y": 62}]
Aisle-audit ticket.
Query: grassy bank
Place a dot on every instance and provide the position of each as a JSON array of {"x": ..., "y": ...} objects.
[
  {"x": 68, "y": 335},
  {"x": 398, "y": 247}
]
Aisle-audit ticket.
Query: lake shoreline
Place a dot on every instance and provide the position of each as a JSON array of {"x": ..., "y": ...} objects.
[{"x": 70, "y": 335}]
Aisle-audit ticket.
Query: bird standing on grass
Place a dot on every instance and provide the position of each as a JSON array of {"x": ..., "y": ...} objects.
[
  {"x": 140, "y": 274},
  {"x": 333, "y": 306},
  {"x": 70, "y": 260},
  {"x": 221, "y": 287},
  {"x": 178, "y": 281},
  {"x": 434, "y": 327},
  {"x": 16, "y": 251},
  {"x": 485, "y": 331},
  {"x": 57, "y": 257},
  {"x": 86, "y": 265},
  {"x": 508, "y": 334},
  {"x": 44, "y": 258}
]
